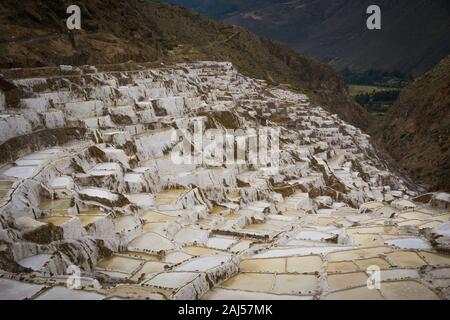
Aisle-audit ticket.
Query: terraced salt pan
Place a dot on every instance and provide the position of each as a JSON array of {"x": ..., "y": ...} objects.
[
  {"x": 307, "y": 264},
  {"x": 148, "y": 269},
  {"x": 405, "y": 259},
  {"x": 273, "y": 283},
  {"x": 120, "y": 264},
  {"x": 361, "y": 293},
  {"x": 342, "y": 267},
  {"x": 169, "y": 197},
  {"x": 99, "y": 193},
  {"x": 35, "y": 262},
  {"x": 301, "y": 251},
  {"x": 172, "y": 280},
  {"x": 56, "y": 221},
  {"x": 204, "y": 263},
  {"x": 88, "y": 219},
  {"x": 224, "y": 294},
  {"x": 363, "y": 264},
  {"x": 62, "y": 293},
  {"x": 57, "y": 206},
  {"x": 435, "y": 259},
  {"x": 142, "y": 200},
  {"x": 15, "y": 290},
  {"x": 347, "y": 280},
  {"x": 314, "y": 235},
  {"x": 399, "y": 274},
  {"x": 190, "y": 236},
  {"x": 126, "y": 223},
  {"x": 62, "y": 183},
  {"x": 406, "y": 290},
  {"x": 409, "y": 243},
  {"x": 22, "y": 172},
  {"x": 220, "y": 243},
  {"x": 361, "y": 253},
  {"x": 150, "y": 242}
]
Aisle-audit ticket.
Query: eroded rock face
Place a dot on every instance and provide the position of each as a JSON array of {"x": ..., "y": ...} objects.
[{"x": 115, "y": 204}]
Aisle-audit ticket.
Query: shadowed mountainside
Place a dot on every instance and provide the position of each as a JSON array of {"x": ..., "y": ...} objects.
[
  {"x": 416, "y": 129},
  {"x": 414, "y": 35},
  {"x": 35, "y": 34}
]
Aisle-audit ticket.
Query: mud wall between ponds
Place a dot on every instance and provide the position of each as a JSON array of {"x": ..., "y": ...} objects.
[{"x": 18, "y": 146}]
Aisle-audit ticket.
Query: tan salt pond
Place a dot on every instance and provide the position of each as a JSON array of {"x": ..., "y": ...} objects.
[
  {"x": 125, "y": 223},
  {"x": 153, "y": 216},
  {"x": 149, "y": 267},
  {"x": 191, "y": 235},
  {"x": 346, "y": 280},
  {"x": 295, "y": 284},
  {"x": 326, "y": 220},
  {"x": 6, "y": 184},
  {"x": 399, "y": 274},
  {"x": 358, "y": 253},
  {"x": 406, "y": 290},
  {"x": 129, "y": 292},
  {"x": 150, "y": 242},
  {"x": 429, "y": 225},
  {"x": 204, "y": 263},
  {"x": 251, "y": 282},
  {"x": 172, "y": 280},
  {"x": 199, "y": 251},
  {"x": 381, "y": 263},
  {"x": 121, "y": 264},
  {"x": 3, "y": 193},
  {"x": 405, "y": 259},
  {"x": 89, "y": 219},
  {"x": 436, "y": 259},
  {"x": 443, "y": 218},
  {"x": 218, "y": 210},
  {"x": 415, "y": 216},
  {"x": 373, "y": 230},
  {"x": 142, "y": 256},
  {"x": 367, "y": 239},
  {"x": 224, "y": 294},
  {"x": 58, "y": 206},
  {"x": 156, "y": 227},
  {"x": 361, "y": 293},
  {"x": 176, "y": 257},
  {"x": 169, "y": 197},
  {"x": 263, "y": 265},
  {"x": 411, "y": 223},
  {"x": 341, "y": 267},
  {"x": 306, "y": 264}
]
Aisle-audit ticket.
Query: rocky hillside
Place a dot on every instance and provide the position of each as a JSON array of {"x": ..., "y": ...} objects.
[
  {"x": 416, "y": 129},
  {"x": 34, "y": 33},
  {"x": 414, "y": 35}
]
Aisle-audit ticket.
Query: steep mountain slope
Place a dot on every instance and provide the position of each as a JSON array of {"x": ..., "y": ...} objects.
[
  {"x": 416, "y": 129},
  {"x": 219, "y": 9},
  {"x": 414, "y": 35},
  {"x": 34, "y": 33}
]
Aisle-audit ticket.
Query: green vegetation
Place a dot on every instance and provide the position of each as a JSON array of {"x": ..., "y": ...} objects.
[
  {"x": 375, "y": 90},
  {"x": 375, "y": 99},
  {"x": 376, "y": 78},
  {"x": 356, "y": 89}
]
